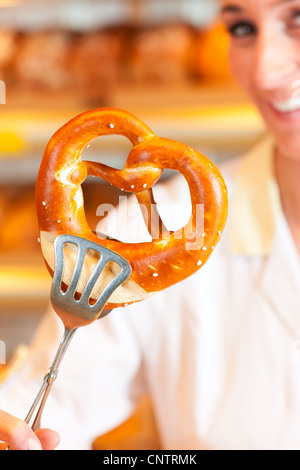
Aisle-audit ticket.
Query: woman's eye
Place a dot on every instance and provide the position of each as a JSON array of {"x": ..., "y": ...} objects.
[
  {"x": 242, "y": 30},
  {"x": 295, "y": 21}
]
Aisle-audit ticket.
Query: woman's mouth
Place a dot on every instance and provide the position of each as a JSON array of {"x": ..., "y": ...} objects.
[{"x": 286, "y": 109}]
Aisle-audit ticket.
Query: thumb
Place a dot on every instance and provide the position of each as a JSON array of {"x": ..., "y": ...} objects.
[{"x": 49, "y": 439}]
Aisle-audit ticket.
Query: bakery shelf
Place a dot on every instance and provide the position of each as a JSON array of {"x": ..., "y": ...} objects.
[
  {"x": 88, "y": 14},
  {"x": 216, "y": 119}
]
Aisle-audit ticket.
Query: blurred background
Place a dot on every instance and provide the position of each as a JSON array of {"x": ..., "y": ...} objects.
[{"x": 163, "y": 60}]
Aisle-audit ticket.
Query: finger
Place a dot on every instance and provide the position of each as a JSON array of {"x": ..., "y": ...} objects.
[
  {"x": 17, "y": 434},
  {"x": 48, "y": 438}
]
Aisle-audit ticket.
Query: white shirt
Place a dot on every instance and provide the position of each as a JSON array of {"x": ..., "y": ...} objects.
[{"x": 218, "y": 352}]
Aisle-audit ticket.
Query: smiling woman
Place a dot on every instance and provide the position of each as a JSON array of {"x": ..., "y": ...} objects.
[{"x": 265, "y": 59}]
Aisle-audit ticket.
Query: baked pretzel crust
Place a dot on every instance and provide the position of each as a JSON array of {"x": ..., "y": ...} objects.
[{"x": 171, "y": 256}]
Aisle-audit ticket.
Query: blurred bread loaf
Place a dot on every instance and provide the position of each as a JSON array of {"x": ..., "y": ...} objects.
[
  {"x": 8, "y": 49},
  {"x": 211, "y": 53},
  {"x": 95, "y": 62},
  {"x": 162, "y": 54},
  {"x": 41, "y": 60}
]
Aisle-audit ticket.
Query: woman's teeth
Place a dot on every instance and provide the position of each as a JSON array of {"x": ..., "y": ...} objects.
[{"x": 293, "y": 104}]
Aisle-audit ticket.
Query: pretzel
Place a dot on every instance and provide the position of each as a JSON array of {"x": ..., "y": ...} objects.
[{"x": 171, "y": 256}]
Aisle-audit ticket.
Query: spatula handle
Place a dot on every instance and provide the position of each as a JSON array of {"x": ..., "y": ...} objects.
[{"x": 49, "y": 378}]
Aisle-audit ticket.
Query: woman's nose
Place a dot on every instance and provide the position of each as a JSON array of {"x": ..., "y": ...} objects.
[{"x": 274, "y": 61}]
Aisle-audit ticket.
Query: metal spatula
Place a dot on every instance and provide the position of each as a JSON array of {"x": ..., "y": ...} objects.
[{"x": 73, "y": 311}]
